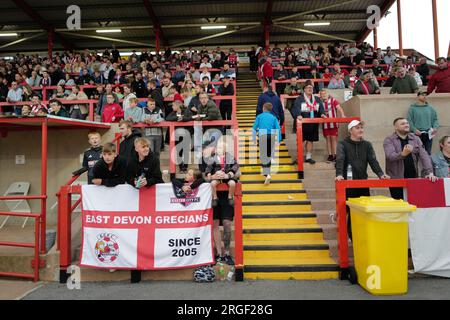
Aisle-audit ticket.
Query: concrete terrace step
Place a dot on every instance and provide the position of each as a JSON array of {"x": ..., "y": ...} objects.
[
  {"x": 267, "y": 192},
  {"x": 283, "y": 229},
  {"x": 289, "y": 269},
  {"x": 282, "y": 165},
  {"x": 259, "y": 186},
  {"x": 321, "y": 193},
  {"x": 286, "y": 252},
  {"x": 286, "y": 264},
  {"x": 258, "y": 178},
  {"x": 285, "y": 196},
  {"x": 275, "y": 220},
  {"x": 323, "y": 204}
]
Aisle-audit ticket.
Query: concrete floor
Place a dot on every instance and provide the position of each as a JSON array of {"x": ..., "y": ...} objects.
[{"x": 419, "y": 288}]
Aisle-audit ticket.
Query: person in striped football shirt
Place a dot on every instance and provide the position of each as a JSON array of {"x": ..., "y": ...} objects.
[{"x": 332, "y": 109}]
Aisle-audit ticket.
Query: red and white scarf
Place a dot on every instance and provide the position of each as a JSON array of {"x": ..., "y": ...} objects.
[
  {"x": 365, "y": 87},
  {"x": 312, "y": 106}
]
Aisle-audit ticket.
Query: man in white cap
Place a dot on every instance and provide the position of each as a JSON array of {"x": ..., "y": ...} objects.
[{"x": 353, "y": 155}]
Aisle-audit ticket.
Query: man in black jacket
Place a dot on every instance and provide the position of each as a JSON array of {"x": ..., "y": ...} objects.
[
  {"x": 146, "y": 170},
  {"x": 127, "y": 145},
  {"x": 182, "y": 134},
  {"x": 156, "y": 94},
  {"x": 226, "y": 106},
  {"x": 353, "y": 155},
  {"x": 110, "y": 170},
  {"x": 139, "y": 87}
]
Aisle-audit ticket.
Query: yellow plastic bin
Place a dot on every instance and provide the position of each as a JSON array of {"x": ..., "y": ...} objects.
[{"x": 380, "y": 243}]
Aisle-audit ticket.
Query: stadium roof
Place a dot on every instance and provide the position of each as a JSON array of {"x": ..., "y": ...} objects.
[{"x": 180, "y": 22}]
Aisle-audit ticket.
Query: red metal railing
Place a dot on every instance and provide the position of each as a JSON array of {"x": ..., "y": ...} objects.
[
  {"x": 40, "y": 218},
  {"x": 300, "y": 136},
  {"x": 331, "y": 66},
  {"x": 44, "y": 89},
  {"x": 341, "y": 187},
  {"x": 275, "y": 82},
  {"x": 91, "y": 103},
  {"x": 35, "y": 245}
]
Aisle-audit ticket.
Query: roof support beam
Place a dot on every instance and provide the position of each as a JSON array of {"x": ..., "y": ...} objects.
[
  {"x": 435, "y": 29},
  {"x": 314, "y": 32},
  {"x": 109, "y": 39},
  {"x": 187, "y": 25},
  {"x": 6, "y": 45},
  {"x": 267, "y": 24},
  {"x": 399, "y": 26},
  {"x": 35, "y": 16},
  {"x": 213, "y": 36},
  {"x": 340, "y": 4},
  {"x": 156, "y": 25}
]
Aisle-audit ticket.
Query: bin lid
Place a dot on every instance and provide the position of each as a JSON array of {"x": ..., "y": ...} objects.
[{"x": 380, "y": 204}]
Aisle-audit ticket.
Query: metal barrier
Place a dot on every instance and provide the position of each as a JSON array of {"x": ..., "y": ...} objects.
[
  {"x": 40, "y": 218},
  {"x": 44, "y": 89},
  {"x": 275, "y": 82},
  {"x": 341, "y": 187},
  {"x": 91, "y": 103},
  {"x": 300, "y": 136}
]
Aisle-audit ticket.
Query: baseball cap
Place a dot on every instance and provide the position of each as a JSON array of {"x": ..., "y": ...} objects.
[
  {"x": 422, "y": 93},
  {"x": 354, "y": 123}
]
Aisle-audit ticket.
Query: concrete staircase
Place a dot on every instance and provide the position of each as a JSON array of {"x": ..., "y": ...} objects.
[{"x": 283, "y": 238}]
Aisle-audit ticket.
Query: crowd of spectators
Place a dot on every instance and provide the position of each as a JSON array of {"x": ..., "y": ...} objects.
[
  {"x": 172, "y": 76},
  {"x": 339, "y": 66}
]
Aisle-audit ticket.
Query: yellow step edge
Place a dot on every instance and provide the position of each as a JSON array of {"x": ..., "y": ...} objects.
[
  {"x": 272, "y": 208},
  {"x": 285, "y": 254},
  {"x": 276, "y": 221},
  {"x": 274, "y": 167},
  {"x": 287, "y": 226},
  {"x": 270, "y": 213},
  {"x": 275, "y": 197},
  {"x": 282, "y": 242},
  {"x": 276, "y": 176},
  {"x": 272, "y": 187},
  {"x": 289, "y": 261},
  {"x": 313, "y": 276},
  {"x": 282, "y": 236}
]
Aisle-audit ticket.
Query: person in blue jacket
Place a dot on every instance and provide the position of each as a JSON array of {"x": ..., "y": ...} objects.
[
  {"x": 269, "y": 96},
  {"x": 268, "y": 128}
]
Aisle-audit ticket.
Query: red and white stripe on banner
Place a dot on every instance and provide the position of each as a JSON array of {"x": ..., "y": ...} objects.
[
  {"x": 429, "y": 226},
  {"x": 146, "y": 229}
]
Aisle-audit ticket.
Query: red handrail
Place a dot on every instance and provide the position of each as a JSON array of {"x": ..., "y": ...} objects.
[
  {"x": 40, "y": 219},
  {"x": 274, "y": 82},
  {"x": 300, "y": 136},
  {"x": 92, "y": 102},
  {"x": 35, "y": 245}
]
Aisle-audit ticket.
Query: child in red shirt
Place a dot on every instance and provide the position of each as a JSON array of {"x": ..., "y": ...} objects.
[
  {"x": 330, "y": 130},
  {"x": 112, "y": 112}
]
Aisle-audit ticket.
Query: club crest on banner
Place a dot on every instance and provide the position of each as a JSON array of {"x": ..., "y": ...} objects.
[
  {"x": 190, "y": 197},
  {"x": 107, "y": 248}
]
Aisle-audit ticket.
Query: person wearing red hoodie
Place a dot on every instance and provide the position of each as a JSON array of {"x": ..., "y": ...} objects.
[
  {"x": 440, "y": 80},
  {"x": 267, "y": 72},
  {"x": 112, "y": 112}
]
